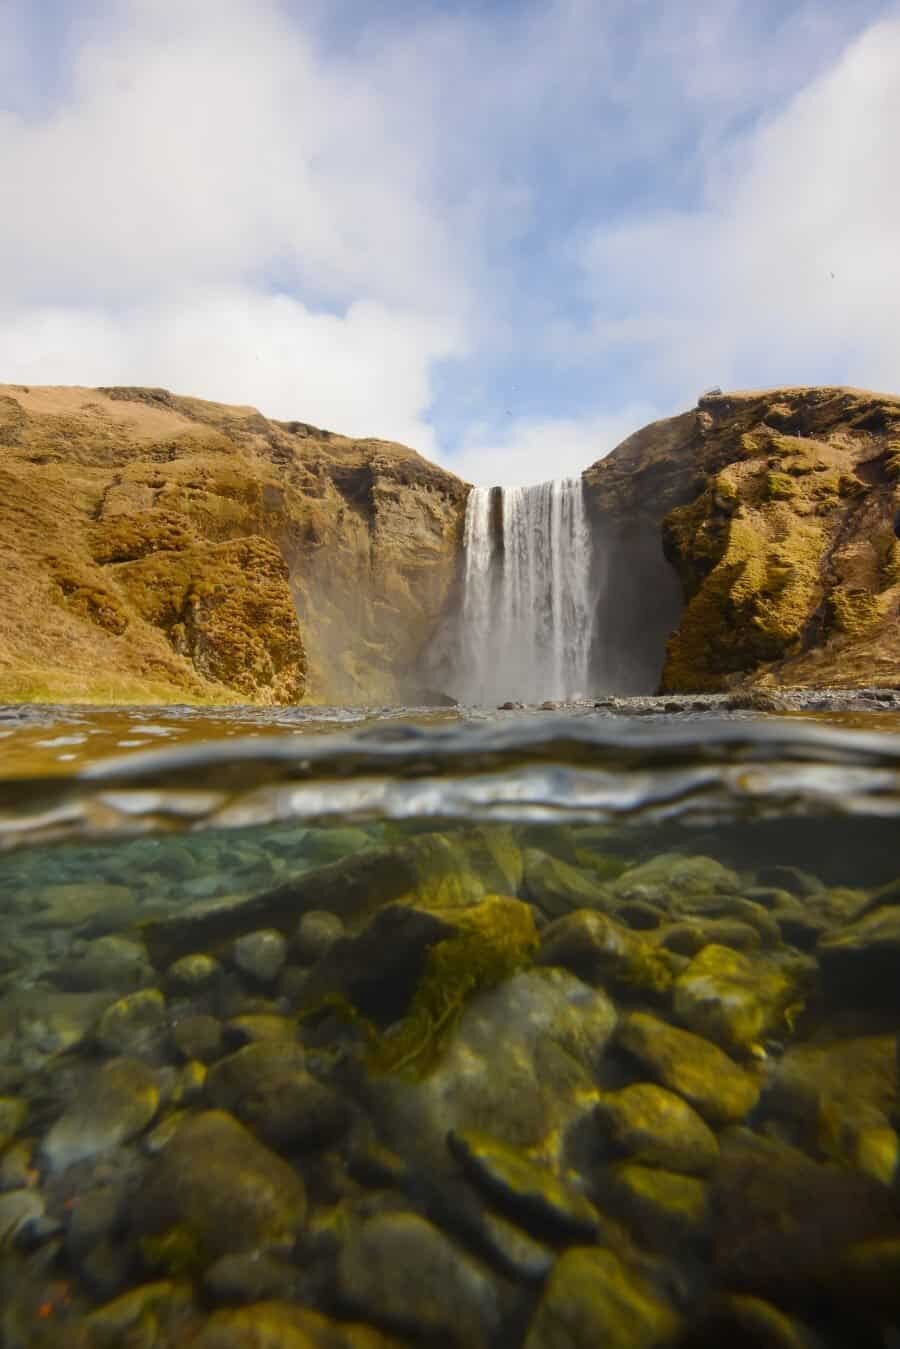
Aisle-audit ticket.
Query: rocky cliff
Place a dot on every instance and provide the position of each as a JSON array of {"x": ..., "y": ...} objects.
[
  {"x": 159, "y": 548},
  {"x": 778, "y": 511}
]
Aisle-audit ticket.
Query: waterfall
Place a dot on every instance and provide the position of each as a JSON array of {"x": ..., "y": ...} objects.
[{"x": 526, "y": 611}]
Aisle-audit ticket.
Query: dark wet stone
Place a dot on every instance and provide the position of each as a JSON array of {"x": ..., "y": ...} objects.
[
  {"x": 671, "y": 879},
  {"x": 316, "y": 932},
  {"x": 782, "y": 1222},
  {"x": 513, "y": 1250},
  {"x": 378, "y": 969},
  {"x": 267, "y": 1086},
  {"x": 250, "y": 1276},
  {"x": 223, "y": 1188},
  {"x": 198, "y": 1037},
  {"x": 793, "y": 879},
  {"x": 639, "y": 915},
  {"x": 13, "y": 1114},
  {"x": 653, "y": 1126},
  {"x": 136, "y": 1025},
  {"x": 692, "y": 1067},
  {"x": 525, "y": 1189},
  {"x": 115, "y": 963},
  {"x": 254, "y": 1027},
  {"x": 733, "y": 999},
  {"x": 350, "y": 887},
  {"x": 403, "y": 1273},
  {"x": 260, "y": 955},
  {"x": 688, "y": 938},
  {"x": 748, "y": 1323},
  {"x": 594, "y": 1299},
  {"x": 602, "y": 951},
  {"x": 859, "y": 963},
  {"x": 557, "y": 887},
  {"x": 166, "y": 1305},
  {"x": 115, "y": 1103},
  {"x": 194, "y": 973},
  {"x": 284, "y": 1325},
  {"x": 664, "y": 1210}
]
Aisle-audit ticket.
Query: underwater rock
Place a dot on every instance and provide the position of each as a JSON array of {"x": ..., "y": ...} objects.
[
  {"x": 154, "y": 1308},
  {"x": 13, "y": 1114},
  {"x": 267, "y": 1087},
  {"x": 136, "y": 1025},
  {"x": 260, "y": 954},
  {"x": 250, "y": 1276},
  {"x": 732, "y": 999},
  {"x": 194, "y": 973},
  {"x": 690, "y": 1066},
  {"x": 655, "y": 1127},
  {"x": 223, "y": 1188},
  {"x": 689, "y": 937},
  {"x": 556, "y": 887},
  {"x": 316, "y": 933},
  {"x": 115, "y": 963},
  {"x": 285, "y": 1325},
  {"x": 592, "y": 1298},
  {"x": 664, "y": 1210},
  {"x": 351, "y": 888},
  {"x": 117, "y": 1102},
  {"x": 198, "y": 1037},
  {"x": 601, "y": 951},
  {"x": 36, "y": 1024},
  {"x": 95, "y": 907},
  {"x": 400, "y": 1271},
  {"x": 670, "y": 878},
  {"x": 750, "y": 1323},
  {"x": 529, "y": 1192},
  {"x": 859, "y": 963}
]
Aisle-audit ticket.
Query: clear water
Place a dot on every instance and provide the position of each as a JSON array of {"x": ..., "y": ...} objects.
[{"x": 773, "y": 845}]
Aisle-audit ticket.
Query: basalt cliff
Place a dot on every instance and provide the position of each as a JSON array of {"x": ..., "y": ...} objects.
[
  {"x": 159, "y": 548},
  {"x": 760, "y": 532},
  {"x": 162, "y": 548}
]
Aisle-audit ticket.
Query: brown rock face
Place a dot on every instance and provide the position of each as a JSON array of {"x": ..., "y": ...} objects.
[
  {"x": 159, "y": 548},
  {"x": 779, "y": 512}
]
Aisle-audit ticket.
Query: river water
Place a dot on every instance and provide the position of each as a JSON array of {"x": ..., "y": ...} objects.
[{"x": 329, "y": 1027}]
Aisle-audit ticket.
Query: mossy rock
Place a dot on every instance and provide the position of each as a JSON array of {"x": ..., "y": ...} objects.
[{"x": 594, "y": 1298}]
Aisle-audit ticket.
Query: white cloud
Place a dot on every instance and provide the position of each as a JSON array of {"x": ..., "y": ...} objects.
[
  {"x": 791, "y": 271},
  {"x": 535, "y": 449},
  {"x": 368, "y": 369}
]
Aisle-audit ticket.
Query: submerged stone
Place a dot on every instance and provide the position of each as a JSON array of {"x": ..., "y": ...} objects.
[
  {"x": 223, "y": 1188},
  {"x": 663, "y": 1209},
  {"x": 13, "y": 1114},
  {"x": 285, "y": 1325},
  {"x": 732, "y": 999},
  {"x": 260, "y": 954},
  {"x": 859, "y": 962},
  {"x": 527, "y": 1190},
  {"x": 557, "y": 887},
  {"x": 653, "y": 1126},
  {"x": 401, "y": 1272},
  {"x": 316, "y": 933},
  {"x": 592, "y": 1298},
  {"x": 266, "y": 1085},
  {"x": 117, "y": 1102},
  {"x": 602, "y": 951},
  {"x": 135, "y": 1025},
  {"x": 690, "y": 1066}
]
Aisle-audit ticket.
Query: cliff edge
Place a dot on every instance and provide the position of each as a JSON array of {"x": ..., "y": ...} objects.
[
  {"x": 778, "y": 510},
  {"x": 160, "y": 548}
]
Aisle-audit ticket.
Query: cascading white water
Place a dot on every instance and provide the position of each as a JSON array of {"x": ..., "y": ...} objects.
[{"x": 526, "y": 611}]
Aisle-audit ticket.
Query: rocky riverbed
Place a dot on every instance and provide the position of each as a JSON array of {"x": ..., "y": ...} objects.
[{"x": 369, "y": 1085}]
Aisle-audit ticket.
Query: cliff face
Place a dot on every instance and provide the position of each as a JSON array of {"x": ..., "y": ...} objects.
[
  {"x": 154, "y": 547},
  {"x": 778, "y": 510}
]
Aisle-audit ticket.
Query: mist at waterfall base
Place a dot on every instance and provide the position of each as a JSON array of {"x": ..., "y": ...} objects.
[{"x": 526, "y": 618}]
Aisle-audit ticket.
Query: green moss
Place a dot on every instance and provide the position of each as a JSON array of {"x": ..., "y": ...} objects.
[
  {"x": 494, "y": 939},
  {"x": 780, "y": 486},
  {"x": 855, "y": 612}
]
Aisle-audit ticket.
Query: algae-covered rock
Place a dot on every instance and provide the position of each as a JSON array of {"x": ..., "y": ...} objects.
[
  {"x": 519, "y": 1064},
  {"x": 528, "y": 1191},
  {"x": 557, "y": 887},
  {"x": 663, "y": 1209},
  {"x": 403, "y": 1273},
  {"x": 670, "y": 878},
  {"x": 267, "y": 1087},
  {"x": 284, "y": 1325},
  {"x": 135, "y": 1025},
  {"x": 655, "y": 1127},
  {"x": 13, "y": 1114},
  {"x": 602, "y": 951},
  {"x": 116, "y": 1103},
  {"x": 733, "y": 999},
  {"x": 220, "y": 1186},
  {"x": 750, "y": 1323},
  {"x": 260, "y": 955},
  {"x": 156, "y": 1308},
  {"x": 592, "y": 1298},
  {"x": 692, "y": 1067}
]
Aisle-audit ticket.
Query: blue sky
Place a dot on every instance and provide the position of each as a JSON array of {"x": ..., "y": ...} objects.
[{"x": 505, "y": 233}]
